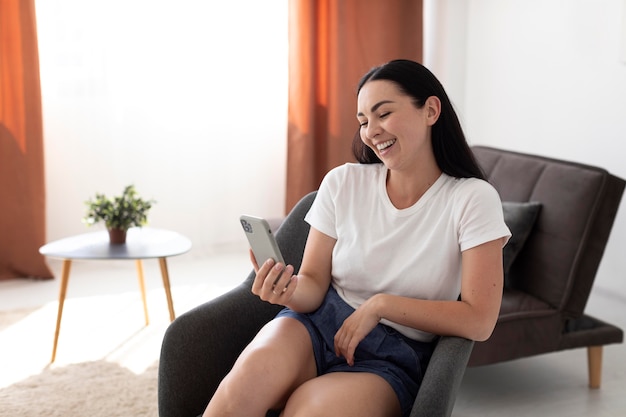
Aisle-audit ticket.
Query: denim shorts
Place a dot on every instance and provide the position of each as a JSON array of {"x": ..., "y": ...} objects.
[{"x": 384, "y": 352}]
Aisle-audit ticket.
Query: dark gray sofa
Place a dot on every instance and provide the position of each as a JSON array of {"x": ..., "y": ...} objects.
[{"x": 548, "y": 284}]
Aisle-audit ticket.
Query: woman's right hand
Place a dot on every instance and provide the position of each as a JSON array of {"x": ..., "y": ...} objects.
[{"x": 274, "y": 282}]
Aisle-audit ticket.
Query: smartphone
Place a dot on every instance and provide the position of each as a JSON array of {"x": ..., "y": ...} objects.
[{"x": 261, "y": 239}]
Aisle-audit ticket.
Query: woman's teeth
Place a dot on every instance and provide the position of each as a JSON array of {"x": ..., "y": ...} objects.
[{"x": 385, "y": 145}]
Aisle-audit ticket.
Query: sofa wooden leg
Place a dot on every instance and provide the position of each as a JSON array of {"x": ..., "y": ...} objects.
[{"x": 594, "y": 360}]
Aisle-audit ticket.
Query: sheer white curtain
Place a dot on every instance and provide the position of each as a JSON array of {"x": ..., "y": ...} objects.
[{"x": 187, "y": 100}]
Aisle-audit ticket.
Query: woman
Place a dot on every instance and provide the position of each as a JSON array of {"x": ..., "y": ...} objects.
[{"x": 393, "y": 242}]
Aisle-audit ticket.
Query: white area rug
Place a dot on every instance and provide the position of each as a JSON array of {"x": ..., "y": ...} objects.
[
  {"x": 105, "y": 366},
  {"x": 106, "y": 362},
  {"x": 95, "y": 389}
]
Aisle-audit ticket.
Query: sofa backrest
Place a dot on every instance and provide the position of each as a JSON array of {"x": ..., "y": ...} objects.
[{"x": 558, "y": 262}]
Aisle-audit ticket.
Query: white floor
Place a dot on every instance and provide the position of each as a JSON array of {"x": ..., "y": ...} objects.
[{"x": 103, "y": 319}]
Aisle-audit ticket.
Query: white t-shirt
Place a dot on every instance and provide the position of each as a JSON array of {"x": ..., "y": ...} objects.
[{"x": 413, "y": 252}]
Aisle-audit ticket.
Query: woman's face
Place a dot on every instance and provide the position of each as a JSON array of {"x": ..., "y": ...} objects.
[{"x": 393, "y": 127}]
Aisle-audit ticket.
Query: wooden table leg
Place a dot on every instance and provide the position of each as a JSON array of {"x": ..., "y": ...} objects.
[
  {"x": 166, "y": 286},
  {"x": 142, "y": 287},
  {"x": 594, "y": 361},
  {"x": 65, "y": 277}
]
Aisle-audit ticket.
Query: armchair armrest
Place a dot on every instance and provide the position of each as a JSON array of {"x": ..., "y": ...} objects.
[
  {"x": 443, "y": 377},
  {"x": 200, "y": 347}
]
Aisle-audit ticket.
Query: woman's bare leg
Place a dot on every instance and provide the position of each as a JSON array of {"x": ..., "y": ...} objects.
[
  {"x": 346, "y": 394},
  {"x": 275, "y": 363}
]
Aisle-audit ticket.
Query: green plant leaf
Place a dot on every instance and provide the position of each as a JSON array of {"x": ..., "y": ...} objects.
[{"x": 121, "y": 212}]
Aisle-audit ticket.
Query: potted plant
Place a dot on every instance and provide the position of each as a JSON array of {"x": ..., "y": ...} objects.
[{"x": 119, "y": 213}]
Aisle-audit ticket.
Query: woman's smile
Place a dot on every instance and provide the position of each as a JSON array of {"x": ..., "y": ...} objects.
[
  {"x": 384, "y": 148},
  {"x": 385, "y": 145}
]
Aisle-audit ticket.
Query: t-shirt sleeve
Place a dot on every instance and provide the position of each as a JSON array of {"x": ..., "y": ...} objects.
[
  {"x": 321, "y": 215},
  {"x": 481, "y": 216}
]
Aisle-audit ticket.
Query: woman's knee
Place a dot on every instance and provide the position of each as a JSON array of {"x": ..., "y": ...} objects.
[
  {"x": 273, "y": 365},
  {"x": 283, "y": 344},
  {"x": 256, "y": 383},
  {"x": 346, "y": 394}
]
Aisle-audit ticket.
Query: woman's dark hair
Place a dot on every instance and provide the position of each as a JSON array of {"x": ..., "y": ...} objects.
[{"x": 452, "y": 153}]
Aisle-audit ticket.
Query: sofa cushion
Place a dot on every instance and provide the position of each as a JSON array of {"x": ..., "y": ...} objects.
[
  {"x": 520, "y": 218},
  {"x": 526, "y": 326}
]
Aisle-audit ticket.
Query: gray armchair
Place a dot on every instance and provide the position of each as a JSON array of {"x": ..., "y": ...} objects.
[{"x": 200, "y": 346}]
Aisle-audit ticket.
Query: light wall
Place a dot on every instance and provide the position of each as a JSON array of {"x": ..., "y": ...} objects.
[
  {"x": 545, "y": 77},
  {"x": 187, "y": 100}
]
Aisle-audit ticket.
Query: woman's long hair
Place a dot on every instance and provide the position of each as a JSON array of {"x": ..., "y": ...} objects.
[{"x": 452, "y": 153}]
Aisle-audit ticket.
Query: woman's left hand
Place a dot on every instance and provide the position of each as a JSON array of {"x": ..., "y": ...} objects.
[{"x": 354, "y": 329}]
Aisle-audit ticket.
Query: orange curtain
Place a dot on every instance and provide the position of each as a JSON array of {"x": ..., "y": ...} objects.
[
  {"x": 22, "y": 193},
  {"x": 332, "y": 43}
]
